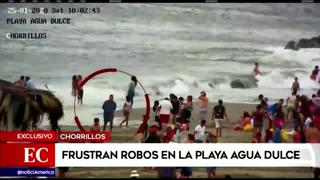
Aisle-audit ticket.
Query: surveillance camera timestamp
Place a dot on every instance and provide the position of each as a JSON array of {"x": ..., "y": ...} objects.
[{"x": 54, "y": 10}]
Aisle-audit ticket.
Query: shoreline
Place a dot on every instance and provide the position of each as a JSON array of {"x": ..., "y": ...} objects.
[{"x": 234, "y": 111}]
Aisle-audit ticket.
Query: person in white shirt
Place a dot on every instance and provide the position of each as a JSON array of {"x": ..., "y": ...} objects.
[
  {"x": 126, "y": 111},
  {"x": 307, "y": 122},
  {"x": 165, "y": 111},
  {"x": 199, "y": 132},
  {"x": 30, "y": 83}
]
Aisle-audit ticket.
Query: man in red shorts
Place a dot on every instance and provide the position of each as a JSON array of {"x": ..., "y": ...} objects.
[{"x": 165, "y": 111}]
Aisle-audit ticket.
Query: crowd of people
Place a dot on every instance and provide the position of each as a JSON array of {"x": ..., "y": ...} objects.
[{"x": 268, "y": 122}]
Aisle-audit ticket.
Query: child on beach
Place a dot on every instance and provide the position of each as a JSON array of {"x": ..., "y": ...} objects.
[
  {"x": 126, "y": 112},
  {"x": 295, "y": 86},
  {"x": 258, "y": 116},
  {"x": 211, "y": 170},
  {"x": 95, "y": 128},
  {"x": 96, "y": 125},
  {"x": 200, "y": 131}
]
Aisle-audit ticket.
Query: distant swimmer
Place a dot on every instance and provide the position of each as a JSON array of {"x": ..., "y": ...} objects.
[
  {"x": 256, "y": 70},
  {"x": 315, "y": 73},
  {"x": 295, "y": 86}
]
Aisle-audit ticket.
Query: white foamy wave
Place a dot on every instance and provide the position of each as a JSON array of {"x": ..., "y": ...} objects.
[
  {"x": 276, "y": 79},
  {"x": 306, "y": 57}
]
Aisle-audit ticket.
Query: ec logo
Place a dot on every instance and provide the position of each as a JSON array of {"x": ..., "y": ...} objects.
[{"x": 32, "y": 155}]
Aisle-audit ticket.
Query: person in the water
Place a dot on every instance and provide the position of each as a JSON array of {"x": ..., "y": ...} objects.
[
  {"x": 295, "y": 86},
  {"x": 256, "y": 71}
]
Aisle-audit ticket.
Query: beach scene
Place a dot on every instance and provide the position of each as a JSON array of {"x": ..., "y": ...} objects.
[{"x": 207, "y": 51}]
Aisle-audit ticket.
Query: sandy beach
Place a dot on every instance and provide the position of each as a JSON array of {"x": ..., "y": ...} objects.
[{"x": 234, "y": 112}]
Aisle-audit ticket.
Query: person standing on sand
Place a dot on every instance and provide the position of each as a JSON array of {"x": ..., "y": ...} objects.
[
  {"x": 131, "y": 89},
  {"x": 175, "y": 107},
  {"x": 263, "y": 101},
  {"x": 181, "y": 99},
  {"x": 203, "y": 105},
  {"x": 256, "y": 70},
  {"x": 108, "y": 107},
  {"x": 257, "y": 116},
  {"x": 291, "y": 108},
  {"x": 80, "y": 90},
  {"x": 295, "y": 86},
  {"x": 165, "y": 111},
  {"x": 199, "y": 132},
  {"x": 186, "y": 111},
  {"x": 126, "y": 112},
  {"x": 219, "y": 115},
  {"x": 74, "y": 85},
  {"x": 156, "y": 111}
]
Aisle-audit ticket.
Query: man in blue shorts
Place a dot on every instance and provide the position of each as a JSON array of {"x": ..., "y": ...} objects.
[{"x": 108, "y": 107}]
